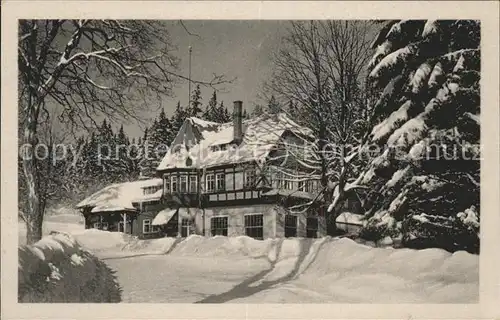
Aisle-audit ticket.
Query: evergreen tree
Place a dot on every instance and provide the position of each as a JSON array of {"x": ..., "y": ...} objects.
[
  {"x": 224, "y": 114},
  {"x": 212, "y": 109},
  {"x": 273, "y": 106},
  {"x": 124, "y": 163},
  {"x": 148, "y": 159},
  {"x": 292, "y": 109},
  {"x": 257, "y": 110},
  {"x": 164, "y": 133},
  {"x": 106, "y": 150},
  {"x": 195, "y": 107},
  {"x": 145, "y": 135},
  {"x": 180, "y": 114},
  {"x": 424, "y": 185},
  {"x": 90, "y": 156}
]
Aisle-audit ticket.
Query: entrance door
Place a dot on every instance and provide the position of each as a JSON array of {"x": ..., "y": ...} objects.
[
  {"x": 185, "y": 225},
  {"x": 312, "y": 227}
]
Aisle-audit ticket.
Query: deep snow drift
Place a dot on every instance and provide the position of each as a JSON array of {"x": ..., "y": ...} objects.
[
  {"x": 241, "y": 269},
  {"x": 294, "y": 270}
]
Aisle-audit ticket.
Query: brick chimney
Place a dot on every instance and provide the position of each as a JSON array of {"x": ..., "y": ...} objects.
[{"x": 237, "y": 122}]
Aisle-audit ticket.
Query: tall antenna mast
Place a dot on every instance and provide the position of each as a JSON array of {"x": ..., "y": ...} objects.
[{"x": 189, "y": 93}]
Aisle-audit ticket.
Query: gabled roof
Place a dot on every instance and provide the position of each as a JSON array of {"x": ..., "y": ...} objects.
[
  {"x": 120, "y": 196},
  {"x": 195, "y": 140}
]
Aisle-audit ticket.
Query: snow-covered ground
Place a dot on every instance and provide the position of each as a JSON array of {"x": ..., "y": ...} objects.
[
  {"x": 244, "y": 270},
  {"x": 63, "y": 220}
]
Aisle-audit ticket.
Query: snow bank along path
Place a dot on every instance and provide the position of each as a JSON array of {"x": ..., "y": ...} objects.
[
  {"x": 57, "y": 269},
  {"x": 310, "y": 270}
]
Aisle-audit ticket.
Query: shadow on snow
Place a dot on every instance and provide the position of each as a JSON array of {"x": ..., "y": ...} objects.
[{"x": 245, "y": 289}]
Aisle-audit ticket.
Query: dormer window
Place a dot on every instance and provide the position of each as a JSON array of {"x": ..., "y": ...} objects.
[
  {"x": 150, "y": 190},
  {"x": 219, "y": 147}
]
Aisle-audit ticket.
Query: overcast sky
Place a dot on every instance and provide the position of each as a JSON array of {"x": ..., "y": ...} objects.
[{"x": 237, "y": 49}]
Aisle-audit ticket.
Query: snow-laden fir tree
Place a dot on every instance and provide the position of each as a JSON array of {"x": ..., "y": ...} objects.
[
  {"x": 194, "y": 108},
  {"x": 147, "y": 160},
  {"x": 211, "y": 109},
  {"x": 180, "y": 114},
  {"x": 225, "y": 115},
  {"x": 273, "y": 106},
  {"x": 257, "y": 110},
  {"x": 157, "y": 140},
  {"x": 424, "y": 183},
  {"x": 123, "y": 161},
  {"x": 216, "y": 112}
]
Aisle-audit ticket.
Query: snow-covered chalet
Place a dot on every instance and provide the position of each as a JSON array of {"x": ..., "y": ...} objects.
[{"x": 238, "y": 178}]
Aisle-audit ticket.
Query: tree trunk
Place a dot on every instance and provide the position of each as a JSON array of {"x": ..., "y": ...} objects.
[
  {"x": 33, "y": 227},
  {"x": 35, "y": 204}
]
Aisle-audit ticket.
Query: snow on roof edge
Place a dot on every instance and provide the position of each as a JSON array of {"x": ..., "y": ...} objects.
[{"x": 118, "y": 194}]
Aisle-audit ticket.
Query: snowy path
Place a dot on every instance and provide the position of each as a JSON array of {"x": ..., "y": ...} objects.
[{"x": 170, "y": 279}]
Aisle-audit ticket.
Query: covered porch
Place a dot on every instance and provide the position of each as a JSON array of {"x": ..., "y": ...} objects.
[{"x": 117, "y": 220}]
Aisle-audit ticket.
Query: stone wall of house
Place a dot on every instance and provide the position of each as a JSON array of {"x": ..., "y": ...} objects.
[
  {"x": 236, "y": 218},
  {"x": 301, "y": 225},
  {"x": 273, "y": 221}
]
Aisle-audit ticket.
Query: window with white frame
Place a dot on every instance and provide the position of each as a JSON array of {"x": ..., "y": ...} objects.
[
  {"x": 290, "y": 226},
  {"x": 254, "y": 226},
  {"x": 220, "y": 181},
  {"x": 104, "y": 226},
  {"x": 193, "y": 183},
  {"x": 210, "y": 182},
  {"x": 97, "y": 225},
  {"x": 250, "y": 178},
  {"x": 218, "y": 226},
  {"x": 183, "y": 185},
  {"x": 146, "y": 226},
  {"x": 174, "y": 184}
]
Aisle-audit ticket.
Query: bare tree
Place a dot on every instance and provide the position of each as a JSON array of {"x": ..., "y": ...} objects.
[
  {"x": 79, "y": 70},
  {"x": 321, "y": 69}
]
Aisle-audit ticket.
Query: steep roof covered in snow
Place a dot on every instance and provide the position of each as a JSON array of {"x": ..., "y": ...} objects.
[
  {"x": 203, "y": 144},
  {"x": 120, "y": 196}
]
